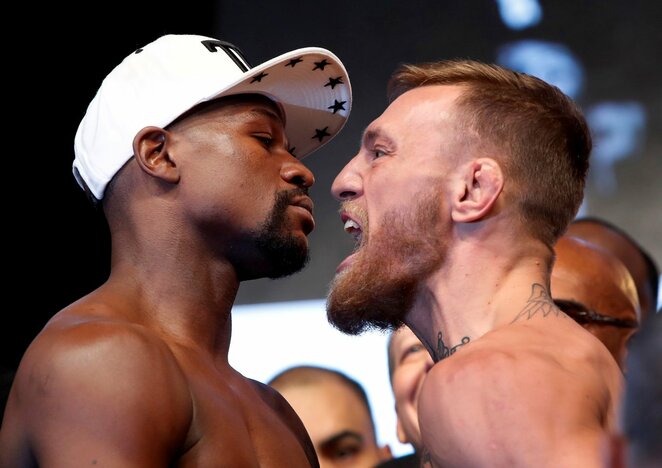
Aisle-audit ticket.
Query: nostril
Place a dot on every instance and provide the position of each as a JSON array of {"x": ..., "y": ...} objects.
[
  {"x": 347, "y": 194},
  {"x": 300, "y": 181}
]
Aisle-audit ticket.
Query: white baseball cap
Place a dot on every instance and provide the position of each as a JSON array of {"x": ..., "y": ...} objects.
[{"x": 159, "y": 82}]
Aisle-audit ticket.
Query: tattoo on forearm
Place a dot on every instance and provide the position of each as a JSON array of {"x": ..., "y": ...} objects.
[
  {"x": 443, "y": 351},
  {"x": 538, "y": 303}
]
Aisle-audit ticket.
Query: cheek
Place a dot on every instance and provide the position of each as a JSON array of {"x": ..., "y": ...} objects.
[{"x": 405, "y": 387}]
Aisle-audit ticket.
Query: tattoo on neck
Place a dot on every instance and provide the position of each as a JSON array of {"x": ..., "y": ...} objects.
[
  {"x": 539, "y": 302},
  {"x": 443, "y": 351}
]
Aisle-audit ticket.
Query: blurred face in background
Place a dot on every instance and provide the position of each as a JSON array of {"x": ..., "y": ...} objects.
[
  {"x": 409, "y": 362},
  {"x": 338, "y": 422}
]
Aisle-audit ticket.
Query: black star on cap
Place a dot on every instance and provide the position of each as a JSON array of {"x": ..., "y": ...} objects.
[
  {"x": 321, "y": 65},
  {"x": 320, "y": 134},
  {"x": 259, "y": 77},
  {"x": 293, "y": 63},
  {"x": 333, "y": 82},
  {"x": 337, "y": 105}
]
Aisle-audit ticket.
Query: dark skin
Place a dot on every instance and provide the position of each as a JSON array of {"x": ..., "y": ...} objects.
[{"x": 136, "y": 374}]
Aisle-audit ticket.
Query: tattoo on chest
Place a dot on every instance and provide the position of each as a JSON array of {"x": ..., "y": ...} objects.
[
  {"x": 539, "y": 303},
  {"x": 443, "y": 351}
]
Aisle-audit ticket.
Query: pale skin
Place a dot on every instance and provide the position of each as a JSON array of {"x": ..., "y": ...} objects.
[
  {"x": 135, "y": 374},
  {"x": 410, "y": 363},
  {"x": 529, "y": 387},
  {"x": 338, "y": 422}
]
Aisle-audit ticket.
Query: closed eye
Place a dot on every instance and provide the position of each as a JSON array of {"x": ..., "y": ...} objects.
[
  {"x": 412, "y": 350},
  {"x": 267, "y": 141}
]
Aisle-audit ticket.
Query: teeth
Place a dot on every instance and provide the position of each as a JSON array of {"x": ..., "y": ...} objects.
[{"x": 351, "y": 226}]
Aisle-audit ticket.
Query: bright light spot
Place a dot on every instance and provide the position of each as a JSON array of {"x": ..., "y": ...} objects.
[
  {"x": 520, "y": 14},
  {"x": 549, "y": 61},
  {"x": 617, "y": 129},
  {"x": 269, "y": 338}
]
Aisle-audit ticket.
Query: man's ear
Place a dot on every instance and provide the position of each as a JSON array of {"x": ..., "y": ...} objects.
[
  {"x": 150, "y": 148},
  {"x": 479, "y": 187}
]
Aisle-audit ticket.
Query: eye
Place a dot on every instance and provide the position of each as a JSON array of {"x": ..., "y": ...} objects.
[
  {"x": 378, "y": 153},
  {"x": 266, "y": 140},
  {"x": 345, "y": 451},
  {"x": 412, "y": 350}
]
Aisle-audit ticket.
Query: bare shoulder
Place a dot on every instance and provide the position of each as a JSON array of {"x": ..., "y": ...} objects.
[
  {"x": 522, "y": 391},
  {"x": 87, "y": 383},
  {"x": 289, "y": 417}
]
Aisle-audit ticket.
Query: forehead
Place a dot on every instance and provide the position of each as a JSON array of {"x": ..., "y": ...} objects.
[
  {"x": 242, "y": 105},
  {"x": 328, "y": 406},
  {"x": 428, "y": 103},
  {"x": 420, "y": 116},
  {"x": 594, "y": 277}
]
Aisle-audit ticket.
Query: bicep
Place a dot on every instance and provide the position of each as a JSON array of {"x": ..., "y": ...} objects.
[{"x": 117, "y": 402}]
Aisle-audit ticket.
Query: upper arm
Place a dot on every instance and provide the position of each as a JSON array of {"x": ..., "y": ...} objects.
[
  {"x": 501, "y": 409},
  {"x": 100, "y": 393},
  {"x": 290, "y": 418}
]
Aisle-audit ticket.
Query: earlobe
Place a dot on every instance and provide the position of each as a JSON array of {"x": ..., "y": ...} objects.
[
  {"x": 151, "y": 151},
  {"x": 477, "y": 191}
]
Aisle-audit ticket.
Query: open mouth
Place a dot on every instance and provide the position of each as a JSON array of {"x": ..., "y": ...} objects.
[{"x": 353, "y": 228}]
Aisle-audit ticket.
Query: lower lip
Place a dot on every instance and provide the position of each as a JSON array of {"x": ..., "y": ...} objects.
[
  {"x": 345, "y": 263},
  {"x": 306, "y": 214}
]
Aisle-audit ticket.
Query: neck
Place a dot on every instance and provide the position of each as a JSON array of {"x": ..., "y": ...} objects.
[
  {"x": 175, "y": 285},
  {"x": 463, "y": 300}
]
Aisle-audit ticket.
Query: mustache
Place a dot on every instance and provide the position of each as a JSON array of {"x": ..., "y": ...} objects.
[
  {"x": 286, "y": 197},
  {"x": 297, "y": 192}
]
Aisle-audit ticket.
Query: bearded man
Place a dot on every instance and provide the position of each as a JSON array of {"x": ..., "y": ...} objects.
[{"x": 456, "y": 197}]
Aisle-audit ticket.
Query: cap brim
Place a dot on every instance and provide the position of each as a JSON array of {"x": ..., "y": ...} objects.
[{"x": 313, "y": 89}]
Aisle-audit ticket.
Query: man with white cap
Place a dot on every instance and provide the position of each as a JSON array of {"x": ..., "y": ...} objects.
[{"x": 194, "y": 158}]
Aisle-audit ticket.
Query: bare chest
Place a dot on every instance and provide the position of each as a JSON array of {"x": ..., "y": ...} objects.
[{"x": 235, "y": 425}]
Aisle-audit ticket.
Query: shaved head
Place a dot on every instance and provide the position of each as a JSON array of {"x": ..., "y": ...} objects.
[{"x": 592, "y": 278}]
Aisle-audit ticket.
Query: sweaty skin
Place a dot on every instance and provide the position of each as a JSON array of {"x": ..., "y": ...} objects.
[
  {"x": 136, "y": 374},
  {"x": 588, "y": 275},
  {"x": 628, "y": 253}
]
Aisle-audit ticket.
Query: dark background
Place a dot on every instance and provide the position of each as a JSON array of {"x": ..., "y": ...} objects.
[{"x": 56, "y": 244}]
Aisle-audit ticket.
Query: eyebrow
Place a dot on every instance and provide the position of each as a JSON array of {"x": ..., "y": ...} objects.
[
  {"x": 334, "y": 439},
  {"x": 268, "y": 113},
  {"x": 592, "y": 316},
  {"x": 274, "y": 116},
  {"x": 371, "y": 134}
]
